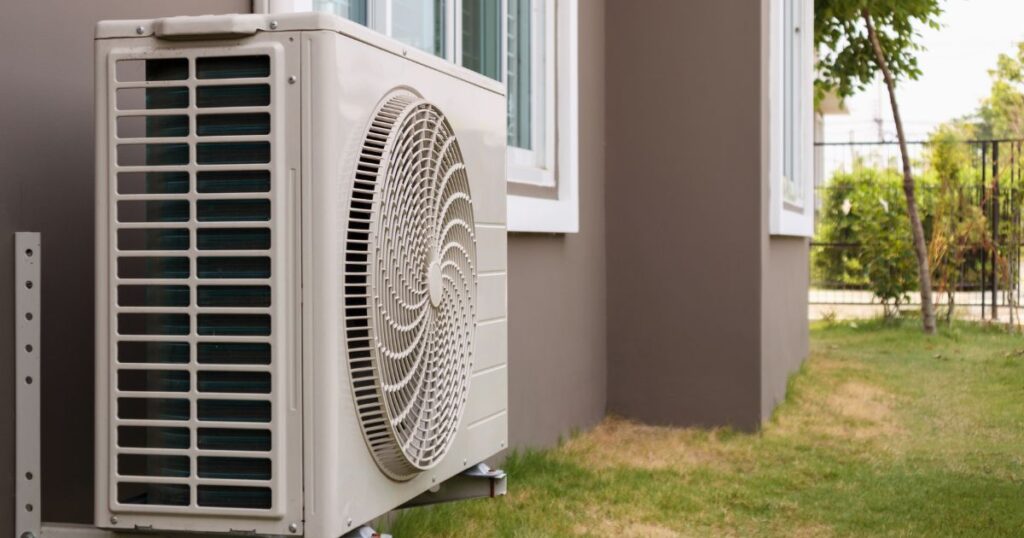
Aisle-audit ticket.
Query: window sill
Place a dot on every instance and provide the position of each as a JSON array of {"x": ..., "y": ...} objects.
[{"x": 530, "y": 214}]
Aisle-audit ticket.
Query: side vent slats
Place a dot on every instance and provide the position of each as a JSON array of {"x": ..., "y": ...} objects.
[{"x": 192, "y": 381}]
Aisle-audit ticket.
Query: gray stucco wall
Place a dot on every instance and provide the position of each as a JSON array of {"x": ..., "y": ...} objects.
[{"x": 684, "y": 211}]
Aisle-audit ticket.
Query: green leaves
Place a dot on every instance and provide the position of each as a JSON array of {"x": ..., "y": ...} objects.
[
  {"x": 846, "y": 63},
  {"x": 867, "y": 208},
  {"x": 1001, "y": 114}
]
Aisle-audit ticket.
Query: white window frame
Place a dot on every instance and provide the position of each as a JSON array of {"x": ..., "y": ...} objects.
[
  {"x": 557, "y": 165},
  {"x": 559, "y": 214},
  {"x": 537, "y": 166},
  {"x": 787, "y": 218}
]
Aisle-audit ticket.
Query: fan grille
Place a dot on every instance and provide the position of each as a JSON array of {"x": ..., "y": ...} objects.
[{"x": 410, "y": 286}]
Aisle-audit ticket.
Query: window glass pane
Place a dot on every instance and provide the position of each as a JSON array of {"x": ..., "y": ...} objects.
[
  {"x": 420, "y": 23},
  {"x": 354, "y": 10},
  {"x": 481, "y": 37},
  {"x": 792, "y": 189},
  {"x": 520, "y": 71}
]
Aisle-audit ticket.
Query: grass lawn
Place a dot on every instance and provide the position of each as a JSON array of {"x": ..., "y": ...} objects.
[{"x": 885, "y": 432}]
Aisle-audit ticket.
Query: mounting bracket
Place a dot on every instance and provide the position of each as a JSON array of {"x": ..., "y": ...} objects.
[
  {"x": 476, "y": 482},
  {"x": 364, "y": 532},
  {"x": 27, "y": 306}
]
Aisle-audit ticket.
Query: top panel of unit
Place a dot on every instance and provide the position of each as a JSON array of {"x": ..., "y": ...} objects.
[{"x": 240, "y": 26}]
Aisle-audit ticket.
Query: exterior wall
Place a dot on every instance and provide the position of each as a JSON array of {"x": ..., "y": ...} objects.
[
  {"x": 784, "y": 317},
  {"x": 785, "y": 269},
  {"x": 557, "y": 297},
  {"x": 46, "y": 153},
  {"x": 706, "y": 311},
  {"x": 6, "y": 371},
  {"x": 684, "y": 211}
]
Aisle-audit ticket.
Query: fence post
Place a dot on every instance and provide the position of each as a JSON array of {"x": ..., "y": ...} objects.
[
  {"x": 995, "y": 230},
  {"x": 984, "y": 207}
]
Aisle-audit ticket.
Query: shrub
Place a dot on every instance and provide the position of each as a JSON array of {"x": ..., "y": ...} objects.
[{"x": 864, "y": 219}]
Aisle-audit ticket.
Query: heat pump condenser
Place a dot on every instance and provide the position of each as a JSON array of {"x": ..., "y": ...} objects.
[{"x": 300, "y": 274}]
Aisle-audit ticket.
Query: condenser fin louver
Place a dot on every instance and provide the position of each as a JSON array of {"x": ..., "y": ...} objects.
[{"x": 192, "y": 377}]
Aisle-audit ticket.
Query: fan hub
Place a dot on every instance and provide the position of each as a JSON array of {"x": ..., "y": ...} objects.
[{"x": 434, "y": 283}]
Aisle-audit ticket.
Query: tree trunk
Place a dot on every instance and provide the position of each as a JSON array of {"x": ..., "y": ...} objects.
[{"x": 920, "y": 249}]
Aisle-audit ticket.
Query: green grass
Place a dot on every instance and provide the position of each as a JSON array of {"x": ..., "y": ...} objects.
[{"x": 885, "y": 432}]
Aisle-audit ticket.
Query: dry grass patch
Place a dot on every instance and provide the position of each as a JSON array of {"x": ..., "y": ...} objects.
[
  {"x": 866, "y": 410},
  {"x": 845, "y": 407},
  {"x": 618, "y": 442},
  {"x": 599, "y": 525}
]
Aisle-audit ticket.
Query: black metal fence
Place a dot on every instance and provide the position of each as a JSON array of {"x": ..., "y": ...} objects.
[{"x": 985, "y": 281}]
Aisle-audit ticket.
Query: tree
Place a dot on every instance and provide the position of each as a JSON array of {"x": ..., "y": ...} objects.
[
  {"x": 857, "y": 40},
  {"x": 1002, "y": 113},
  {"x": 959, "y": 228}
]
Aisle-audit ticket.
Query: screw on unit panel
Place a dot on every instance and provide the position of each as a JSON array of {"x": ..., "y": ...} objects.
[
  {"x": 349, "y": 522},
  {"x": 293, "y": 527},
  {"x": 140, "y": 30},
  {"x": 273, "y": 25},
  {"x": 293, "y": 79},
  {"x": 113, "y": 520},
  {"x": 28, "y": 534}
]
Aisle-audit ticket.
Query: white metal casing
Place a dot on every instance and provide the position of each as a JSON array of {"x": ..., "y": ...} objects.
[{"x": 325, "y": 481}]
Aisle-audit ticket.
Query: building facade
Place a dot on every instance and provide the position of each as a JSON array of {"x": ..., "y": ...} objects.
[{"x": 659, "y": 263}]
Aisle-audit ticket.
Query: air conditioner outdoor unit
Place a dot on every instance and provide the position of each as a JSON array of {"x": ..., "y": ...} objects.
[{"x": 300, "y": 274}]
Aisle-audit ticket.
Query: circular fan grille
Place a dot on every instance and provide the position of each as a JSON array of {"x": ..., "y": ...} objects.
[{"x": 410, "y": 286}]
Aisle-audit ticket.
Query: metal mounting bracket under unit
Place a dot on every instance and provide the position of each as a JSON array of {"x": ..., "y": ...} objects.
[
  {"x": 364, "y": 532},
  {"x": 479, "y": 481}
]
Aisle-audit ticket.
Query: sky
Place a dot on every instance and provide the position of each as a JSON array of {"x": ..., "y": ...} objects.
[{"x": 954, "y": 76}]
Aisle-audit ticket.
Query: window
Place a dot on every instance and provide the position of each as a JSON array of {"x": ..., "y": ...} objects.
[
  {"x": 531, "y": 46},
  {"x": 481, "y": 37},
  {"x": 530, "y": 81},
  {"x": 355, "y": 10},
  {"x": 791, "y": 192},
  {"x": 422, "y": 24}
]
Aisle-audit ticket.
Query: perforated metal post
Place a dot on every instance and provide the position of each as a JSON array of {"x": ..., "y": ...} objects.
[{"x": 27, "y": 258}]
